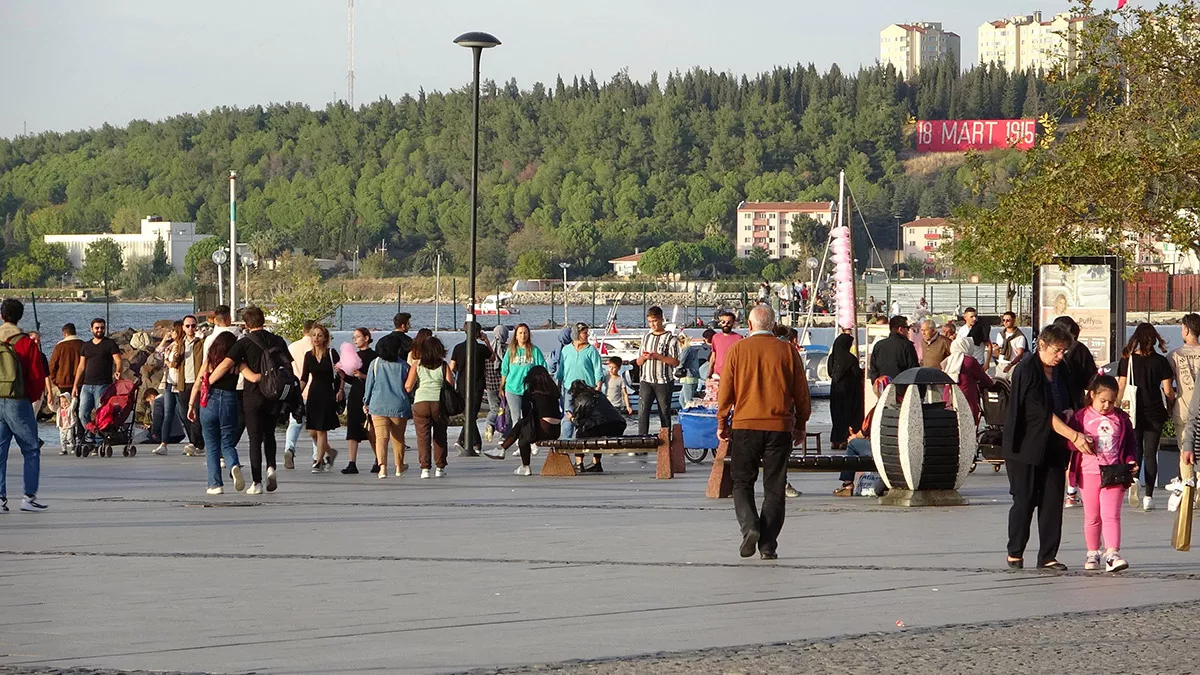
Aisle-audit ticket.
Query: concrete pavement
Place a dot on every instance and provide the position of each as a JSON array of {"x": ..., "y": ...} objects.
[{"x": 134, "y": 567}]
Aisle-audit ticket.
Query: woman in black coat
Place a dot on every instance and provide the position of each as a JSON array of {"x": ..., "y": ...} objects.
[
  {"x": 595, "y": 417},
  {"x": 845, "y": 392},
  {"x": 1035, "y": 448}
]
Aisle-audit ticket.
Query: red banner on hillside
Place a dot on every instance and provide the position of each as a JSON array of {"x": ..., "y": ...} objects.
[{"x": 962, "y": 135}]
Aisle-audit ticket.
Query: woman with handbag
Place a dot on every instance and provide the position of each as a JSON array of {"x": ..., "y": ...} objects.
[
  {"x": 1036, "y": 435},
  {"x": 322, "y": 391},
  {"x": 520, "y": 357},
  {"x": 1147, "y": 395},
  {"x": 1104, "y": 474},
  {"x": 425, "y": 383},
  {"x": 688, "y": 372}
]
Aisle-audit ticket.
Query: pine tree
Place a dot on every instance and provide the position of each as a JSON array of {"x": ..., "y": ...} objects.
[
  {"x": 1033, "y": 100},
  {"x": 158, "y": 263}
]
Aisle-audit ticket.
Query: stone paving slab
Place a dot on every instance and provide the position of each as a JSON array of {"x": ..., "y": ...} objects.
[{"x": 135, "y": 568}]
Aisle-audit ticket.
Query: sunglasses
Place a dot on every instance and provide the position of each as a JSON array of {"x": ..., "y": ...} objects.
[{"x": 189, "y": 325}]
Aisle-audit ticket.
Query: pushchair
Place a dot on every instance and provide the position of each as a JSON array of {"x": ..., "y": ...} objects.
[
  {"x": 112, "y": 421},
  {"x": 994, "y": 404}
]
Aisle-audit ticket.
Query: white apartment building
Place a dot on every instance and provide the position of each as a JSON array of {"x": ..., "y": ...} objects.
[
  {"x": 912, "y": 46},
  {"x": 925, "y": 236},
  {"x": 768, "y": 225},
  {"x": 1022, "y": 43},
  {"x": 177, "y": 237}
]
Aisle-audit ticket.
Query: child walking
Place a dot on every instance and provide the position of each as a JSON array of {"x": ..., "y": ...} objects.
[{"x": 1114, "y": 444}]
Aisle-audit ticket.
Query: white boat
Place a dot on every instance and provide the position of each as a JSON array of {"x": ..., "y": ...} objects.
[
  {"x": 816, "y": 369},
  {"x": 497, "y": 305}
]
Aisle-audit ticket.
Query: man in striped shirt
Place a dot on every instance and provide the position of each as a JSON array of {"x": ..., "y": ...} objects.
[{"x": 659, "y": 358}]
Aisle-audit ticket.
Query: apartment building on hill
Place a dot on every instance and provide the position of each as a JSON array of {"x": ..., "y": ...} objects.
[
  {"x": 768, "y": 225},
  {"x": 908, "y": 47},
  {"x": 1022, "y": 43}
]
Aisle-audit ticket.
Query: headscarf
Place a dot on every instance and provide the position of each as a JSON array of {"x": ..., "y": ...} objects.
[
  {"x": 842, "y": 361},
  {"x": 564, "y": 336},
  {"x": 500, "y": 332},
  {"x": 952, "y": 365}
]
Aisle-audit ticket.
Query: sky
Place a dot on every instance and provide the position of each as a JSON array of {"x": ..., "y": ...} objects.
[{"x": 67, "y": 64}]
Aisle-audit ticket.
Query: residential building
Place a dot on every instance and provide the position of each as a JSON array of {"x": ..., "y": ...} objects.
[
  {"x": 626, "y": 266},
  {"x": 177, "y": 238},
  {"x": 925, "y": 236},
  {"x": 1022, "y": 43},
  {"x": 908, "y": 47},
  {"x": 768, "y": 225}
]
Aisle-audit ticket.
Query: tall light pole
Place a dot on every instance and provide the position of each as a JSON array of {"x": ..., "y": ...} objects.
[
  {"x": 477, "y": 42},
  {"x": 233, "y": 257},
  {"x": 565, "y": 266}
]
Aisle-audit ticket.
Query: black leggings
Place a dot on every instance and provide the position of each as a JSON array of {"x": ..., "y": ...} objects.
[
  {"x": 261, "y": 417},
  {"x": 1147, "y": 456},
  {"x": 530, "y": 430}
]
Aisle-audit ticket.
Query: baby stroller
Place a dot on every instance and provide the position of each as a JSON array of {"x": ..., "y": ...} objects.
[
  {"x": 991, "y": 439},
  {"x": 113, "y": 422}
]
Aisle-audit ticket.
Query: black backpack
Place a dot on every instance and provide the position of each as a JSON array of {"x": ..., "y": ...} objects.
[{"x": 278, "y": 381}]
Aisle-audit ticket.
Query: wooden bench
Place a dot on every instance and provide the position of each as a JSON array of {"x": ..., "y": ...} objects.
[
  {"x": 720, "y": 481},
  {"x": 667, "y": 446}
]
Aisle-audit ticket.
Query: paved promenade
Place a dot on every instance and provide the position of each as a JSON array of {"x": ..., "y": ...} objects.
[{"x": 134, "y": 568}]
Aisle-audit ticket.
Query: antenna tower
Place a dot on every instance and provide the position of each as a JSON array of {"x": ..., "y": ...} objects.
[{"x": 350, "y": 52}]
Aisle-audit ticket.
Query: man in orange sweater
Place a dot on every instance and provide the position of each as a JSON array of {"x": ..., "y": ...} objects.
[{"x": 763, "y": 384}]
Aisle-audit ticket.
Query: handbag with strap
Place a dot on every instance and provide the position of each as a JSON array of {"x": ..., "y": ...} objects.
[
  {"x": 451, "y": 400},
  {"x": 1129, "y": 398},
  {"x": 1112, "y": 475}
]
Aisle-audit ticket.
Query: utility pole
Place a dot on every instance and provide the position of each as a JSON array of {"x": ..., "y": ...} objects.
[
  {"x": 233, "y": 256},
  {"x": 350, "y": 52}
]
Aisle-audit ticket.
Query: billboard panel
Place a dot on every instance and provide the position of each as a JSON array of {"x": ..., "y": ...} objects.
[
  {"x": 963, "y": 135},
  {"x": 1090, "y": 291}
]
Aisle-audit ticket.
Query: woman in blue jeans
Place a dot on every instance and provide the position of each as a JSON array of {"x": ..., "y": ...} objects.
[{"x": 218, "y": 417}]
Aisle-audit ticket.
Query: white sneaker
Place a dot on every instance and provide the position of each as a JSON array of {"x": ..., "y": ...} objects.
[
  {"x": 1115, "y": 563},
  {"x": 382, "y": 473},
  {"x": 239, "y": 483},
  {"x": 515, "y": 453},
  {"x": 289, "y": 459},
  {"x": 271, "y": 482},
  {"x": 216, "y": 491},
  {"x": 222, "y": 462},
  {"x": 1147, "y": 503},
  {"x": 438, "y": 473},
  {"x": 494, "y": 453},
  {"x": 255, "y": 489},
  {"x": 523, "y": 471},
  {"x": 190, "y": 450},
  {"x": 533, "y": 450},
  {"x": 424, "y": 473},
  {"x": 161, "y": 449},
  {"x": 31, "y": 504}
]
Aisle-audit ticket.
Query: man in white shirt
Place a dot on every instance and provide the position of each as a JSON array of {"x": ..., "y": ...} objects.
[
  {"x": 297, "y": 349},
  {"x": 1010, "y": 346},
  {"x": 980, "y": 351}
]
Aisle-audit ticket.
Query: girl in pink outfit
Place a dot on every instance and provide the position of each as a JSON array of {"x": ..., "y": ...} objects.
[{"x": 1113, "y": 442}]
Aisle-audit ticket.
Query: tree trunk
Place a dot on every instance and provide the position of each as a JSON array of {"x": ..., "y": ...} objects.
[{"x": 1010, "y": 292}]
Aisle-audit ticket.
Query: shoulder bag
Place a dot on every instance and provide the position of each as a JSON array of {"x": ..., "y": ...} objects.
[
  {"x": 1112, "y": 475},
  {"x": 450, "y": 399},
  {"x": 1129, "y": 398}
]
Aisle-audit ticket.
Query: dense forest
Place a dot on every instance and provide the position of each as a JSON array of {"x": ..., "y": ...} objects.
[{"x": 580, "y": 171}]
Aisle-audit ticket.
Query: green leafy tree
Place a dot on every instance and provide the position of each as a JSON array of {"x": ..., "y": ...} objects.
[
  {"x": 197, "y": 263},
  {"x": 101, "y": 261},
  {"x": 771, "y": 272},
  {"x": 138, "y": 277},
  {"x": 533, "y": 265},
  {"x": 376, "y": 265},
  {"x": 159, "y": 266},
  {"x": 309, "y": 301},
  {"x": 756, "y": 261}
]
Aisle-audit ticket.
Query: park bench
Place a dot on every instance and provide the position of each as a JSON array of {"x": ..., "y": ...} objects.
[
  {"x": 720, "y": 482},
  {"x": 667, "y": 447}
]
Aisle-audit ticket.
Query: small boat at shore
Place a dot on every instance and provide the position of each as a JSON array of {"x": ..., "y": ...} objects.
[{"x": 500, "y": 305}]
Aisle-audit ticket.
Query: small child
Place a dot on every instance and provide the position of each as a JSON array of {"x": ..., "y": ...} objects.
[
  {"x": 1113, "y": 442},
  {"x": 614, "y": 386},
  {"x": 66, "y": 418}
]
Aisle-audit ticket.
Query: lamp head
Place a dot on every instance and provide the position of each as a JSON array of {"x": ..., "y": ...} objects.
[{"x": 477, "y": 40}]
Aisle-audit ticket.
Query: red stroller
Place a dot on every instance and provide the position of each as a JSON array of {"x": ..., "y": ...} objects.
[{"x": 112, "y": 421}]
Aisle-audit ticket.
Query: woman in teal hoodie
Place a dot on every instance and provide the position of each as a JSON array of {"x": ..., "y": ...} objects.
[{"x": 520, "y": 357}]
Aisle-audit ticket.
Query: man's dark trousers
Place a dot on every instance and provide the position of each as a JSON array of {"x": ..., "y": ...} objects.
[{"x": 749, "y": 448}]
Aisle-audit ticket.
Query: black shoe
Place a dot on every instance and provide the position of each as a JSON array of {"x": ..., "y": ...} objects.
[
  {"x": 350, "y": 468},
  {"x": 593, "y": 468},
  {"x": 1054, "y": 567},
  {"x": 749, "y": 544},
  {"x": 769, "y": 556},
  {"x": 374, "y": 468},
  {"x": 1017, "y": 564}
]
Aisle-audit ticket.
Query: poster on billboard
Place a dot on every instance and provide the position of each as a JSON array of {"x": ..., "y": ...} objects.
[
  {"x": 963, "y": 135},
  {"x": 1090, "y": 291}
]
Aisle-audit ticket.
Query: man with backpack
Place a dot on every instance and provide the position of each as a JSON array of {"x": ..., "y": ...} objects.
[
  {"x": 22, "y": 381},
  {"x": 270, "y": 384},
  {"x": 1010, "y": 346}
]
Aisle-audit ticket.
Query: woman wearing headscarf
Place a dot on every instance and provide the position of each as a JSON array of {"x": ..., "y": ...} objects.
[
  {"x": 491, "y": 384},
  {"x": 967, "y": 373},
  {"x": 845, "y": 391},
  {"x": 1036, "y": 435}
]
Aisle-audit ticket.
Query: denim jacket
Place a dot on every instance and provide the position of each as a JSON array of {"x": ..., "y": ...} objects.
[{"x": 384, "y": 393}]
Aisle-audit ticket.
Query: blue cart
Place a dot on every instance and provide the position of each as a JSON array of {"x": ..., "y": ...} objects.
[{"x": 699, "y": 433}]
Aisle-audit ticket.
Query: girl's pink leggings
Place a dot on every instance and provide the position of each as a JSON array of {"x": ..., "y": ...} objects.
[{"x": 1101, "y": 512}]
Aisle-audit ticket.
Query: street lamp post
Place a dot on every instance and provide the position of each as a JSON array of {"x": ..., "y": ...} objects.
[
  {"x": 219, "y": 258},
  {"x": 565, "y": 266},
  {"x": 477, "y": 42},
  {"x": 247, "y": 261}
]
